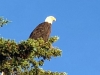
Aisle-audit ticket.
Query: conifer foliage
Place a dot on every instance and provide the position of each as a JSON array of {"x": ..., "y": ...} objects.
[{"x": 26, "y": 57}]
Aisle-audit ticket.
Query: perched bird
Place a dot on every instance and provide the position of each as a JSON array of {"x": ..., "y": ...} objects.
[{"x": 43, "y": 29}]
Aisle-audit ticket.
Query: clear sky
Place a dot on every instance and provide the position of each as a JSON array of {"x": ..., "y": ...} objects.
[{"x": 77, "y": 25}]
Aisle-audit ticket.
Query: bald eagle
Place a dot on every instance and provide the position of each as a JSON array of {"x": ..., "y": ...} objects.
[{"x": 43, "y": 29}]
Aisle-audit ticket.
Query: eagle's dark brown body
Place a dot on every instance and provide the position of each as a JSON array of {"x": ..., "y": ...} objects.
[{"x": 42, "y": 30}]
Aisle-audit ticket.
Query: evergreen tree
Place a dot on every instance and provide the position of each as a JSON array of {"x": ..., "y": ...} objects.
[{"x": 26, "y": 57}]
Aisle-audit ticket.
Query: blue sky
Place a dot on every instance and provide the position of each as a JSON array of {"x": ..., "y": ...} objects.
[{"x": 77, "y": 25}]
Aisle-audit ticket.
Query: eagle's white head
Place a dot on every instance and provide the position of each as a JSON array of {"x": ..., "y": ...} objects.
[{"x": 50, "y": 19}]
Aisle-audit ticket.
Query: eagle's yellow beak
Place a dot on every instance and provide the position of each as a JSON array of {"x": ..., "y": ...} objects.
[{"x": 53, "y": 18}]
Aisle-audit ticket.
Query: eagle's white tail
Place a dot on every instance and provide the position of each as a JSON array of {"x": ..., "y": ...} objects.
[{"x": 2, "y": 73}]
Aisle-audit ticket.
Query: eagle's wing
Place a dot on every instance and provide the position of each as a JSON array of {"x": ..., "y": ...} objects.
[{"x": 42, "y": 30}]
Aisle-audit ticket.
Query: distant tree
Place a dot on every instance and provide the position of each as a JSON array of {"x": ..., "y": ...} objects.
[{"x": 26, "y": 57}]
